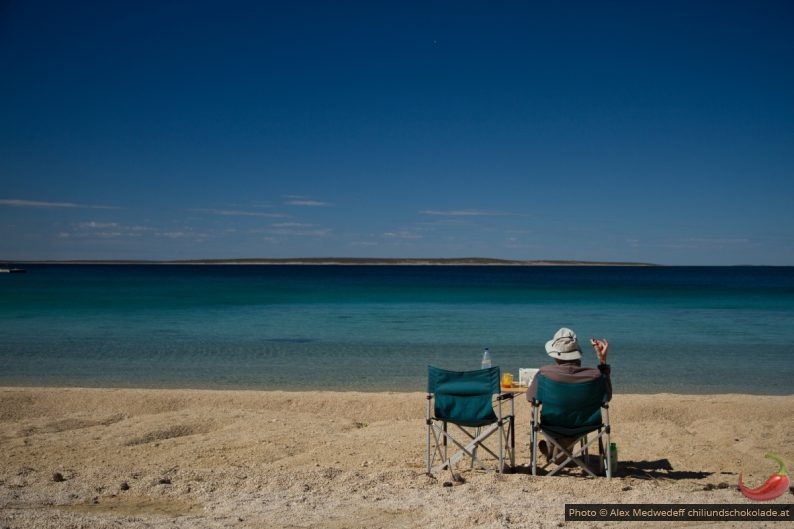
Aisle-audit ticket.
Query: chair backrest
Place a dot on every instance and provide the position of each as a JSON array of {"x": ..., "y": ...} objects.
[
  {"x": 464, "y": 397},
  {"x": 571, "y": 408}
]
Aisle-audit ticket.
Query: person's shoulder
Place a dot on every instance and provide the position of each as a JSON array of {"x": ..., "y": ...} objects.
[
  {"x": 581, "y": 370},
  {"x": 552, "y": 369}
]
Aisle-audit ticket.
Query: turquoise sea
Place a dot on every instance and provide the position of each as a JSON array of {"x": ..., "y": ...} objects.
[{"x": 671, "y": 329}]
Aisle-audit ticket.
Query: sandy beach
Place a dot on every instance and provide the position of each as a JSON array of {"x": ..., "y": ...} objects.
[{"x": 100, "y": 458}]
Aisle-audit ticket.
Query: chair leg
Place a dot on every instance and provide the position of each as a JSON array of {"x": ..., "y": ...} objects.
[
  {"x": 427, "y": 454},
  {"x": 607, "y": 431},
  {"x": 533, "y": 440},
  {"x": 474, "y": 449},
  {"x": 603, "y": 464},
  {"x": 429, "y": 433},
  {"x": 501, "y": 447},
  {"x": 445, "y": 441},
  {"x": 513, "y": 440}
]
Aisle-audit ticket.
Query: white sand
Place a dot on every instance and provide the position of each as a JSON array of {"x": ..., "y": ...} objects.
[{"x": 98, "y": 458}]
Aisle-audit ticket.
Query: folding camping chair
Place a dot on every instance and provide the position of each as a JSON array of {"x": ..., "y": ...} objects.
[
  {"x": 571, "y": 411},
  {"x": 467, "y": 400}
]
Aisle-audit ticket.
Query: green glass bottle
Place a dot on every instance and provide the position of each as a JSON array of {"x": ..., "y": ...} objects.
[{"x": 613, "y": 457}]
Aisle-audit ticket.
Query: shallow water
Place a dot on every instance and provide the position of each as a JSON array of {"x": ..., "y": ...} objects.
[{"x": 676, "y": 329}]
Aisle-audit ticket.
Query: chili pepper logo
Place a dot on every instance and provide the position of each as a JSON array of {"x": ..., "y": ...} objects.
[{"x": 776, "y": 485}]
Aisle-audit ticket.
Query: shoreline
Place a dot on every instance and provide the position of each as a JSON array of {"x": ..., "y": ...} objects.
[
  {"x": 10, "y": 385},
  {"x": 354, "y": 261},
  {"x": 341, "y": 261},
  {"x": 341, "y": 390},
  {"x": 322, "y": 459}
]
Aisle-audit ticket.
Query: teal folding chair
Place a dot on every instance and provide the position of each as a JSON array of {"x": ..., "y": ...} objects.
[
  {"x": 472, "y": 402},
  {"x": 570, "y": 412}
]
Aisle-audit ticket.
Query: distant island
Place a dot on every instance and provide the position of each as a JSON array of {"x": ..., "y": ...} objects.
[
  {"x": 454, "y": 261},
  {"x": 351, "y": 261}
]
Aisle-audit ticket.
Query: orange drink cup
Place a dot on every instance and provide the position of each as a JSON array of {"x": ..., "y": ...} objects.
[{"x": 507, "y": 380}]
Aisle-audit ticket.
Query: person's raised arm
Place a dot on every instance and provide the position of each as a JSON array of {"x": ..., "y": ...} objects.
[{"x": 601, "y": 347}]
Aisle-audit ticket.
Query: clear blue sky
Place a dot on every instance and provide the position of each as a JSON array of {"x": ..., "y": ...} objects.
[{"x": 627, "y": 131}]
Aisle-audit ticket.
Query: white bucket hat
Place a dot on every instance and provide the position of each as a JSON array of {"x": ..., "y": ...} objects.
[{"x": 564, "y": 346}]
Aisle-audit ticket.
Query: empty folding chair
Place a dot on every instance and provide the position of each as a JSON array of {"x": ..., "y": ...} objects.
[
  {"x": 564, "y": 412},
  {"x": 472, "y": 402}
]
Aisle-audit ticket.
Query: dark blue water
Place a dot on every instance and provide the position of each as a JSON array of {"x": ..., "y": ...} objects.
[{"x": 677, "y": 329}]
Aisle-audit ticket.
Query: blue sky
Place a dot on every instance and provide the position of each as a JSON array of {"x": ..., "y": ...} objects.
[{"x": 625, "y": 131}]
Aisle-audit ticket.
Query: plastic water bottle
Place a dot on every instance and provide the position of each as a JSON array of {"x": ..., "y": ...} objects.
[{"x": 486, "y": 359}]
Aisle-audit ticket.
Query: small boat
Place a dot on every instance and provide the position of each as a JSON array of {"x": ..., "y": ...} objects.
[{"x": 12, "y": 270}]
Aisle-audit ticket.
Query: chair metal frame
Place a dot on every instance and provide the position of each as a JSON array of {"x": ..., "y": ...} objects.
[
  {"x": 439, "y": 437},
  {"x": 584, "y": 441}
]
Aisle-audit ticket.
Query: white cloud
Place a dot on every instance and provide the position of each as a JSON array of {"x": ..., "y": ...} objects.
[
  {"x": 98, "y": 225},
  {"x": 236, "y": 213},
  {"x": 319, "y": 232},
  {"x": 291, "y": 225},
  {"x": 174, "y": 234},
  {"x": 690, "y": 243},
  {"x": 107, "y": 234},
  {"x": 306, "y": 203},
  {"x": 104, "y": 230},
  {"x": 717, "y": 241},
  {"x": 40, "y": 204},
  {"x": 464, "y": 213},
  {"x": 402, "y": 234}
]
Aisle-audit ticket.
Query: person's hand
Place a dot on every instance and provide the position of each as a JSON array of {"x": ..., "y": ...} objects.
[{"x": 601, "y": 347}]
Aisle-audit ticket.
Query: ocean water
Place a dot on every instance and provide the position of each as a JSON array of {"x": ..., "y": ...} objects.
[{"x": 671, "y": 329}]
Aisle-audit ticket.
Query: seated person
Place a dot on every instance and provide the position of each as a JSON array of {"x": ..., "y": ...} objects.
[{"x": 567, "y": 355}]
